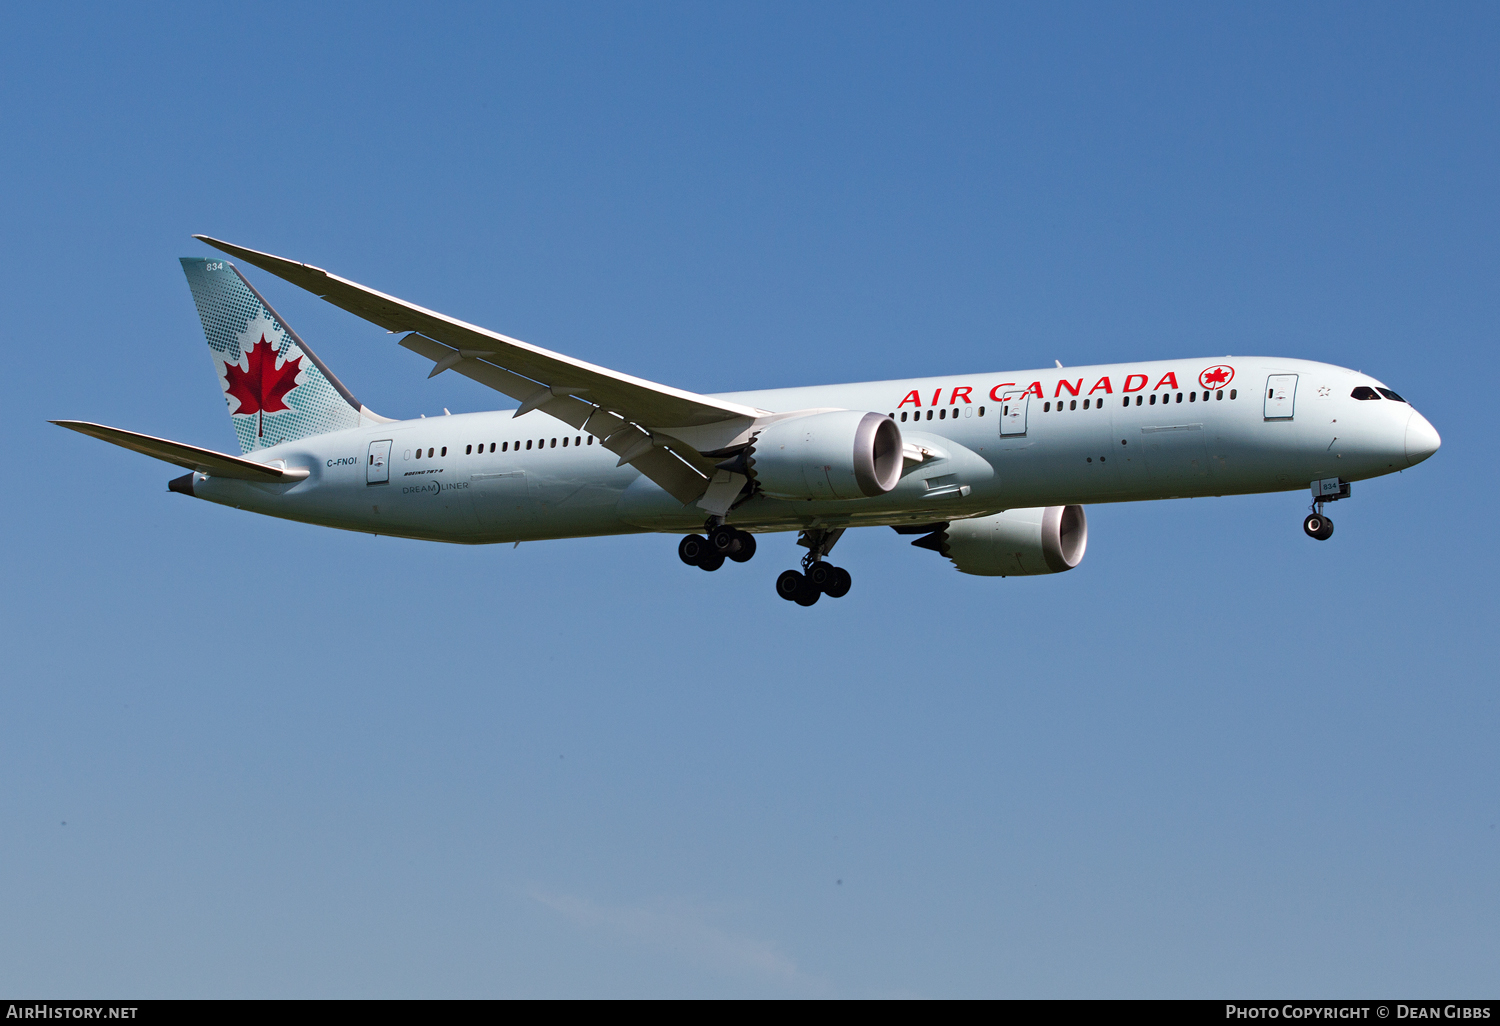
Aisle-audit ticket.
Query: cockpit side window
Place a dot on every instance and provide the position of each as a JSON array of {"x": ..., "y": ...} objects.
[
  {"x": 1390, "y": 395},
  {"x": 1364, "y": 392}
]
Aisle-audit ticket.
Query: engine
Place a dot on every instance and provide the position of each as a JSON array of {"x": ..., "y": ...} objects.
[
  {"x": 847, "y": 454},
  {"x": 1016, "y": 543}
]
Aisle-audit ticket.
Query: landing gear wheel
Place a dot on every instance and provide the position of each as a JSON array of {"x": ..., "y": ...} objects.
[
  {"x": 692, "y": 548},
  {"x": 746, "y": 549},
  {"x": 710, "y": 561},
  {"x": 725, "y": 540},
  {"x": 839, "y": 586},
  {"x": 808, "y": 594},
  {"x": 820, "y": 575},
  {"x": 1318, "y": 526},
  {"x": 789, "y": 584}
]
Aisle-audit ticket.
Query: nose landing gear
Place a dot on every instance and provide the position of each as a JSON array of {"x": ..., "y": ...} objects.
[
  {"x": 1318, "y": 526},
  {"x": 1327, "y": 490},
  {"x": 818, "y": 577}
]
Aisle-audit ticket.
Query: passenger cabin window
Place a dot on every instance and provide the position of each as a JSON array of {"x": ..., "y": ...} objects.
[
  {"x": 1390, "y": 395},
  {"x": 1365, "y": 392}
]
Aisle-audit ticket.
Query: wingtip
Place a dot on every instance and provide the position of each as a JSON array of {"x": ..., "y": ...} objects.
[
  {"x": 265, "y": 261},
  {"x": 218, "y": 244}
]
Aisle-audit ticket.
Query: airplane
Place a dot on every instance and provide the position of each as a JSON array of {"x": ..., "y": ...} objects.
[{"x": 991, "y": 471}]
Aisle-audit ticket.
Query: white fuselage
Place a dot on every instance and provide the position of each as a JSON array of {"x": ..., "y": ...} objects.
[{"x": 992, "y": 442}]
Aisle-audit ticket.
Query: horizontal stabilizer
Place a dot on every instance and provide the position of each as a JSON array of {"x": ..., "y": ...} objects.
[{"x": 205, "y": 461}]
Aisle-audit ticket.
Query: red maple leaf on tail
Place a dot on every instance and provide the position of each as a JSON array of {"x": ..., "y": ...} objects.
[{"x": 261, "y": 388}]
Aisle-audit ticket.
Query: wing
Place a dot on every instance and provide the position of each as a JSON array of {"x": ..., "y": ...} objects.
[
  {"x": 205, "y": 461},
  {"x": 662, "y": 431}
]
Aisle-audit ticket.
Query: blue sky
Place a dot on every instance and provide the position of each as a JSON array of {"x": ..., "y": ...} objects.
[{"x": 1217, "y": 758}]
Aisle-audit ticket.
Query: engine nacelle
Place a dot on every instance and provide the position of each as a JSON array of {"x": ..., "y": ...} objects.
[
  {"x": 846, "y": 454},
  {"x": 1016, "y": 543}
]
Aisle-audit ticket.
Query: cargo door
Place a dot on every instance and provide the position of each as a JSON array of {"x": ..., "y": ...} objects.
[
  {"x": 503, "y": 501},
  {"x": 1176, "y": 457},
  {"x": 378, "y": 465},
  {"x": 1281, "y": 396}
]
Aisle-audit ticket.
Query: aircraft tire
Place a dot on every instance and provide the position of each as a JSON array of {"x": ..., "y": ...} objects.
[
  {"x": 746, "y": 549},
  {"x": 820, "y": 575},
  {"x": 808, "y": 594},
  {"x": 725, "y": 540},
  {"x": 710, "y": 561},
  {"x": 839, "y": 586},
  {"x": 1318, "y": 526},
  {"x": 789, "y": 584},
  {"x": 692, "y": 548}
]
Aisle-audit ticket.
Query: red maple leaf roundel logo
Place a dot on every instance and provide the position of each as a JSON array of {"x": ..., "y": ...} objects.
[
  {"x": 261, "y": 387},
  {"x": 1216, "y": 377}
]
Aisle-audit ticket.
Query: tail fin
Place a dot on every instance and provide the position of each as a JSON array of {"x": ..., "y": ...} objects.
[{"x": 276, "y": 389}]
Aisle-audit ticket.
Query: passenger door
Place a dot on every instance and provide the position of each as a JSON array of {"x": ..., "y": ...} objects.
[
  {"x": 1013, "y": 414},
  {"x": 1281, "y": 396},
  {"x": 378, "y": 466}
]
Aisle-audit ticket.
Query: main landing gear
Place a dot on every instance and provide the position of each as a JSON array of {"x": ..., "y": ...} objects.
[
  {"x": 723, "y": 542},
  {"x": 818, "y": 576},
  {"x": 1327, "y": 490}
]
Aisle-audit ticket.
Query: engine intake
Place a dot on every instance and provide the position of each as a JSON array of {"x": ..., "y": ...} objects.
[
  {"x": 847, "y": 454},
  {"x": 1016, "y": 543}
]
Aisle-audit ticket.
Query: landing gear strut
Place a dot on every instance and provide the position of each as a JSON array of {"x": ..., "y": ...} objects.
[
  {"x": 1327, "y": 490},
  {"x": 723, "y": 542},
  {"x": 818, "y": 577}
]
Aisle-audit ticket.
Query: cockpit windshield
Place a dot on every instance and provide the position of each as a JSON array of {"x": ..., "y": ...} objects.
[
  {"x": 1391, "y": 395},
  {"x": 1364, "y": 392}
]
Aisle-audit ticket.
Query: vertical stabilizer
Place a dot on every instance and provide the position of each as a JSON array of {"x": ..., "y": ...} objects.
[{"x": 276, "y": 389}]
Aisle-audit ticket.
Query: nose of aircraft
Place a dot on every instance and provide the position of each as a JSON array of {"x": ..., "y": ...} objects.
[{"x": 1422, "y": 439}]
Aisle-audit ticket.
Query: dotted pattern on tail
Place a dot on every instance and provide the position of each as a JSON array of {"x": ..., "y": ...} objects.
[{"x": 234, "y": 321}]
